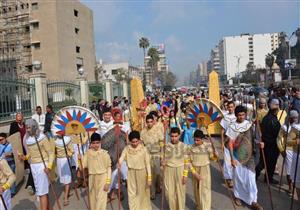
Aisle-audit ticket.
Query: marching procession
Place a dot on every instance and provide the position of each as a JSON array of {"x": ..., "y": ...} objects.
[{"x": 152, "y": 145}]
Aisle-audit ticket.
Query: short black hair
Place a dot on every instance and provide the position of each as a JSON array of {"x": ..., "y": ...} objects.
[
  {"x": 230, "y": 102},
  {"x": 4, "y": 135},
  {"x": 50, "y": 106},
  {"x": 38, "y": 107},
  {"x": 95, "y": 137},
  {"x": 106, "y": 109},
  {"x": 149, "y": 117},
  {"x": 154, "y": 113},
  {"x": 199, "y": 134},
  {"x": 134, "y": 135},
  {"x": 240, "y": 109},
  {"x": 175, "y": 130}
]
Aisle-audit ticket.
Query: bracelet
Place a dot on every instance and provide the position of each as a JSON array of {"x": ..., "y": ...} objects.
[
  {"x": 149, "y": 178},
  {"x": 193, "y": 170},
  {"x": 108, "y": 181},
  {"x": 185, "y": 173},
  {"x": 50, "y": 165},
  {"x": 161, "y": 144},
  {"x": 186, "y": 161},
  {"x": 6, "y": 186}
]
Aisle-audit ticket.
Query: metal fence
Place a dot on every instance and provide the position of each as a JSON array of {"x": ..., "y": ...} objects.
[
  {"x": 16, "y": 95},
  {"x": 96, "y": 91},
  {"x": 117, "y": 89},
  {"x": 61, "y": 94}
]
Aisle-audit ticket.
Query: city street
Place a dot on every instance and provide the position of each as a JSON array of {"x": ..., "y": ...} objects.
[{"x": 220, "y": 196}]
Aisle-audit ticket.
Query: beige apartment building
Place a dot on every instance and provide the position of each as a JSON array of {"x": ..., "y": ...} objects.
[{"x": 56, "y": 36}]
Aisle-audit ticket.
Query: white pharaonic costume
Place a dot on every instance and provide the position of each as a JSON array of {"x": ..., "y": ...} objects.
[
  {"x": 63, "y": 169},
  {"x": 225, "y": 122},
  {"x": 244, "y": 183},
  {"x": 41, "y": 181},
  {"x": 292, "y": 141}
]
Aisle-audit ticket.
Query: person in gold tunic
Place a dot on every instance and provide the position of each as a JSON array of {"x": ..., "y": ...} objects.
[
  {"x": 7, "y": 179},
  {"x": 175, "y": 162},
  {"x": 63, "y": 169},
  {"x": 79, "y": 141},
  {"x": 262, "y": 110},
  {"x": 294, "y": 141},
  {"x": 40, "y": 172},
  {"x": 152, "y": 106},
  {"x": 139, "y": 173},
  {"x": 98, "y": 164},
  {"x": 200, "y": 154},
  {"x": 153, "y": 139}
]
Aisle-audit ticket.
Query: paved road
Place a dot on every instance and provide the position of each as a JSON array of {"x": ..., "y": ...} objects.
[{"x": 220, "y": 196}]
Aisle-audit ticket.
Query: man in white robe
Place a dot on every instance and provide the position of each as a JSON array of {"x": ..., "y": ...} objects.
[
  {"x": 229, "y": 118},
  {"x": 244, "y": 183}
]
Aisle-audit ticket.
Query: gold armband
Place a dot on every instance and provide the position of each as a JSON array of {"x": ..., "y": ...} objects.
[
  {"x": 161, "y": 144},
  {"x": 193, "y": 170},
  {"x": 185, "y": 173},
  {"x": 50, "y": 165},
  {"x": 6, "y": 186},
  {"x": 149, "y": 178},
  {"x": 27, "y": 157},
  {"x": 186, "y": 161},
  {"x": 108, "y": 181}
]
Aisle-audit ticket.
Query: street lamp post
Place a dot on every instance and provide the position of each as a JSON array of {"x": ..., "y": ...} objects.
[
  {"x": 238, "y": 65},
  {"x": 289, "y": 46}
]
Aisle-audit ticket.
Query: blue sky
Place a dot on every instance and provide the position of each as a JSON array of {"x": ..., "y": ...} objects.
[{"x": 189, "y": 29}]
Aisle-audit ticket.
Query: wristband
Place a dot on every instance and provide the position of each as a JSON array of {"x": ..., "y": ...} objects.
[
  {"x": 186, "y": 161},
  {"x": 6, "y": 186},
  {"x": 50, "y": 165},
  {"x": 193, "y": 170},
  {"x": 108, "y": 181},
  {"x": 149, "y": 178},
  {"x": 185, "y": 173}
]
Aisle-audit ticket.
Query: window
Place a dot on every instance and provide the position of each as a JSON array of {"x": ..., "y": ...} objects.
[
  {"x": 35, "y": 25},
  {"x": 75, "y": 13},
  {"x": 36, "y": 45},
  {"x": 76, "y": 30},
  {"x": 114, "y": 71},
  {"x": 77, "y": 49},
  {"x": 34, "y": 6}
]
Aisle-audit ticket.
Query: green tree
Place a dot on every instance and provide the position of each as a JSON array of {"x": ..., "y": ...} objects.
[
  {"x": 154, "y": 58},
  {"x": 69, "y": 92},
  {"x": 171, "y": 79},
  {"x": 269, "y": 62},
  {"x": 281, "y": 53},
  {"x": 144, "y": 44}
]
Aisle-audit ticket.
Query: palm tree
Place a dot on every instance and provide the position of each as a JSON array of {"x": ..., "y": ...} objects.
[
  {"x": 269, "y": 62},
  {"x": 144, "y": 43},
  {"x": 154, "y": 58}
]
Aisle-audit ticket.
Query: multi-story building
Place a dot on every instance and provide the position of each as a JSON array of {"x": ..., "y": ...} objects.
[
  {"x": 214, "y": 63},
  {"x": 54, "y": 37},
  {"x": 202, "y": 73},
  {"x": 124, "y": 68},
  {"x": 162, "y": 65},
  {"x": 237, "y": 51}
]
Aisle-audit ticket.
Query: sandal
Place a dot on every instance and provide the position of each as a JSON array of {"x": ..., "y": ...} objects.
[
  {"x": 66, "y": 202},
  {"x": 237, "y": 202}
]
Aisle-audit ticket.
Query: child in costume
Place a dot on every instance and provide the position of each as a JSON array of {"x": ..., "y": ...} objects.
[
  {"x": 7, "y": 179},
  {"x": 200, "y": 154},
  {"x": 63, "y": 168},
  {"x": 139, "y": 173},
  {"x": 98, "y": 164}
]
